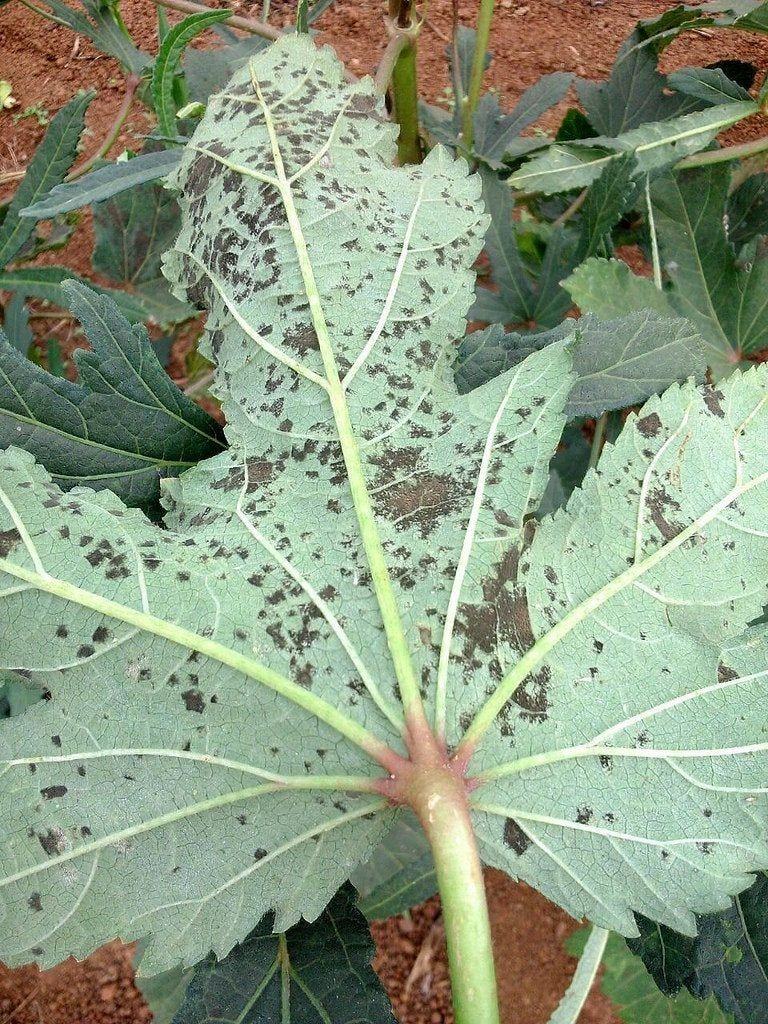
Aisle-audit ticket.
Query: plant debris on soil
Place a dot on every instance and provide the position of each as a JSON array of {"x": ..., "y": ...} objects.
[{"x": 46, "y": 65}]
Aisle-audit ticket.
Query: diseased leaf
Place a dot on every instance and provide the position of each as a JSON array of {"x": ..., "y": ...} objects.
[
  {"x": 104, "y": 183},
  {"x": 399, "y": 875},
  {"x": 124, "y": 426},
  {"x": 617, "y": 362},
  {"x": 314, "y": 974},
  {"x": 728, "y": 958},
  {"x": 637, "y": 1000},
  {"x": 637, "y": 680},
  {"x": 608, "y": 288},
  {"x": 47, "y": 168},
  {"x": 574, "y": 165}
]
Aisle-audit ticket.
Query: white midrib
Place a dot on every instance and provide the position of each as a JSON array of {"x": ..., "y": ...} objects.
[
  {"x": 382, "y": 584},
  {"x": 536, "y": 654}
]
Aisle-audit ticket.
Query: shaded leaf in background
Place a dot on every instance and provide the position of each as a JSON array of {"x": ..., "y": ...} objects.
[
  {"x": 16, "y": 323},
  {"x": 105, "y": 182},
  {"x": 710, "y": 85},
  {"x": 726, "y": 300},
  {"x": 316, "y": 973},
  {"x": 618, "y": 362},
  {"x": 208, "y": 71},
  {"x": 48, "y": 167},
  {"x": 48, "y": 283},
  {"x": 728, "y": 958},
  {"x": 634, "y": 994},
  {"x": 747, "y": 210},
  {"x": 163, "y": 993},
  {"x": 399, "y": 875},
  {"x": 132, "y": 231},
  {"x": 125, "y": 425},
  {"x": 635, "y": 93},
  {"x": 608, "y": 288}
]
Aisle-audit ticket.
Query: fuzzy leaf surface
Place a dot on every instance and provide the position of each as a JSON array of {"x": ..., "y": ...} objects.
[
  {"x": 313, "y": 974},
  {"x": 635, "y": 684},
  {"x": 250, "y": 625}
]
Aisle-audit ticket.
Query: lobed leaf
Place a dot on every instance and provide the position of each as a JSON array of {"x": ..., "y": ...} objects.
[{"x": 124, "y": 426}]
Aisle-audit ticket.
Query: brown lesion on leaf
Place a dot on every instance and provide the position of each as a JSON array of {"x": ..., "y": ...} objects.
[
  {"x": 712, "y": 398},
  {"x": 9, "y": 539},
  {"x": 515, "y": 838},
  {"x": 659, "y": 503},
  {"x": 649, "y": 425}
]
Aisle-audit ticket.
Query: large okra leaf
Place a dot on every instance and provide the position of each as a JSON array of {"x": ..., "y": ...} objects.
[
  {"x": 251, "y": 627},
  {"x": 226, "y": 695}
]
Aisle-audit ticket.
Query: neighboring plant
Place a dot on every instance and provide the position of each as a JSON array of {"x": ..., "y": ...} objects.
[{"x": 356, "y": 643}]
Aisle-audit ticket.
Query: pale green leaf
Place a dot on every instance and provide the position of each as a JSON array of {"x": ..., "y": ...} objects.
[
  {"x": 608, "y": 288},
  {"x": 633, "y": 729},
  {"x": 576, "y": 165}
]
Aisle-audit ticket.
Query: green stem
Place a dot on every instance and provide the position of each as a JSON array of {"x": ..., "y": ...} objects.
[
  {"x": 718, "y": 156},
  {"x": 484, "y": 19},
  {"x": 405, "y": 103},
  {"x": 440, "y": 802},
  {"x": 597, "y": 440},
  {"x": 387, "y": 64}
]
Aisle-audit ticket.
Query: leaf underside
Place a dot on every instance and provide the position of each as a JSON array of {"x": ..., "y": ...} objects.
[{"x": 216, "y": 687}]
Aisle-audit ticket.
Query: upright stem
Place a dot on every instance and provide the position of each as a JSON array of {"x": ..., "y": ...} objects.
[
  {"x": 478, "y": 70},
  {"x": 441, "y": 803},
  {"x": 403, "y": 22}
]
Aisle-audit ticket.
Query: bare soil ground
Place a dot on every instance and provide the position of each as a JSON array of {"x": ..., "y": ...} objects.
[{"x": 46, "y": 65}]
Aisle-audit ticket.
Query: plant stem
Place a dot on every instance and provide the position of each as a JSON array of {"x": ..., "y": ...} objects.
[
  {"x": 402, "y": 24},
  {"x": 717, "y": 156},
  {"x": 388, "y": 61},
  {"x": 478, "y": 70},
  {"x": 131, "y": 85},
  {"x": 257, "y": 28},
  {"x": 440, "y": 802},
  {"x": 597, "y": 440}
]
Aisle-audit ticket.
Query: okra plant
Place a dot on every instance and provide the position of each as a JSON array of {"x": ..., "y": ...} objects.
[{"x": 352, "y": 612}]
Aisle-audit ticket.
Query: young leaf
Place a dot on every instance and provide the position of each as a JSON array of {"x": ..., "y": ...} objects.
[
  {"x": 728, "y": 958},
  {"x": 399, "y": 875},
  {"x": 104, "y": 183},
  {"x": 575, "y": 165},
  {"x": 124, "y": 426},
  {"x": 313, "y": 974},
  {"x": 617, "y": 362},
  {"x": 167, "y": 63},
  {"x": 611, "y": 589},
  {"x": 637, "y": 1000},
  {"x": 47, "y": 168}
]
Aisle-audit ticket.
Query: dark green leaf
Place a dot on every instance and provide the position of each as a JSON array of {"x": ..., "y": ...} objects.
[
  {"x": 635, "y": 93},
  {"x": 711, "y": 85},
  {"x": 133, "y": 230},
  {"x": 607, "y": 199},
  {"x": 47, "y": 168},
  {"x": 318, "y": 973},
  {"x": 167, "y": 63},
  {"x": 399, "y": 875},
  {"x": 748, "y": 211},
  {"x": 618, "y": 362},
  {"x": 56, "y": 364},
  {"x": 728, "y": 958},
  {"x": 302, "y": 19},
  {"x": 637, "y": 1000},
  {"x": 104, "y": 183},
  {"x": 498, "y": 136},
  {"x": 16, "y": 323},
  {"x": 163, "y": 993},
  {"x": 574, "y": 127},
  {"x": 46, "y": 283},
  {"x": 460, "y": 58},
  {"x": 124, "y": 426}
]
